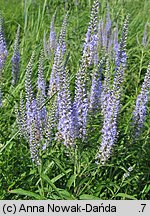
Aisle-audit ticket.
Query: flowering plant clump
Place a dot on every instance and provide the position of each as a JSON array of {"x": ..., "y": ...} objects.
[
  {"x": 77, "y": 117},
  {"x": 67, "y": 117}
]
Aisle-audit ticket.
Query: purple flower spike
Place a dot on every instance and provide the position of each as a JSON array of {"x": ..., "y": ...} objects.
[
  {"x": 16, "y": 58},
  {"x": 111, "y": 101},
  {"x": 121, "y": 58},
  {"x": 3, "y": 53},
  {"x": 81, "y": 100},
  {"x": 90, "y": 55},
  {"x": 41, "y": 95},
  {"x": 65, "y": 124},
  {"x": 59, "y": 52},
  {"x": 52, "y": 36},
  {"x": 33, "y": 122},
  {"x": 91, "y": 40},
  {"x": 3, "y": 48},
  {"x": 94, "y": 16},
  {"x": 62, "y": 37},
  {"x": 139, "y": 113}
]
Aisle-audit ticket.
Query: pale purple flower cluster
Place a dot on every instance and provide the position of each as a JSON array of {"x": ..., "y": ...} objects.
[
  {"x": 65, "y": 117},
  {"x": 50, "y": 45},
  {"x": 65, "y": 123},
  {"x": 3, "y": 53},
  {"x": 41, "y": 93},
  {"x": 3, "y": 48},
  {"x": 108, "y": 36},
  {"x": 90, "y": 55},
  {"x": 52, "y": 35},
  {"x": 59, "y": 52},
  {"x": 140, "y": 109},
  {"x": 105, "y": 32},
  {"x": 16, "y": 58},
  {"x": 91, "y": 41},
  {"x": 81, "y": 100},
  {"x": 33, "y": 123},
  {"x": 111, "y": 100}
]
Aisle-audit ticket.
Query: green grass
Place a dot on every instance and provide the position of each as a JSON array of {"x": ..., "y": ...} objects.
[{"x": 66, "y": 174}]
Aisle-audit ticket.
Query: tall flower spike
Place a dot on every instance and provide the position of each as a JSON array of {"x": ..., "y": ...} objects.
[
  {"x": 65, "y": 124},
  {"x": 3, "y": 53},
  {"x": 120, "y": 69},
  {"x": 28, "y": 87},
  {"x": 32, "y": 116},
  {"x": 41, "y": 94},
  {"x": 62, "y": 36},
  {"x": 94, "y": 16},
  {"x": 16, "y": 58},
  {"x": 109, "y": 129},
  {"x": 80, "y": 107},
  {"x": 63, "y": 96},
  {"x": 111, "y": 110},
  {"x": 3, "y": 48},
  {"x": 81, "y": 99},
  {"x": 52, "y": 36},
  {"x": 21, "y": 118},
  {"x": 91, "y": 40},
  {"x": 121, "y": 58},
  {"x": 139, "y": 113},
  {"x": 60, "y": 50}
]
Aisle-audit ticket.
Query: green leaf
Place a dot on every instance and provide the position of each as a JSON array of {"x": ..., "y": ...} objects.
[
  {"x": 146, "y": 189},
  {"x": 27, "y": 193},
  {"x": 46, "y": 178},
  {"x": 66, "y": 195},
  {"x": 126, "y": 196},
  {"x": 58, "y": 163},
  {"x": 71, "y": 180},
  {"x": 88, "y": 197},
  {"x": 60, "y": 176}
]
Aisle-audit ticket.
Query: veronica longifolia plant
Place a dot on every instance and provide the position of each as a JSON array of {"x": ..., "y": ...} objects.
[
  {"x": 3, "y": 53},
  {"x": 111, "y": 100},
  {"x": 33, "y": 123},
  {"x": 16, "y": 58},
  {"x": 139, "y": 113}
]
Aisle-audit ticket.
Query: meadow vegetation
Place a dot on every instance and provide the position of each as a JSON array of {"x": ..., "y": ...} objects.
[{"x": 74, "y": 99}]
